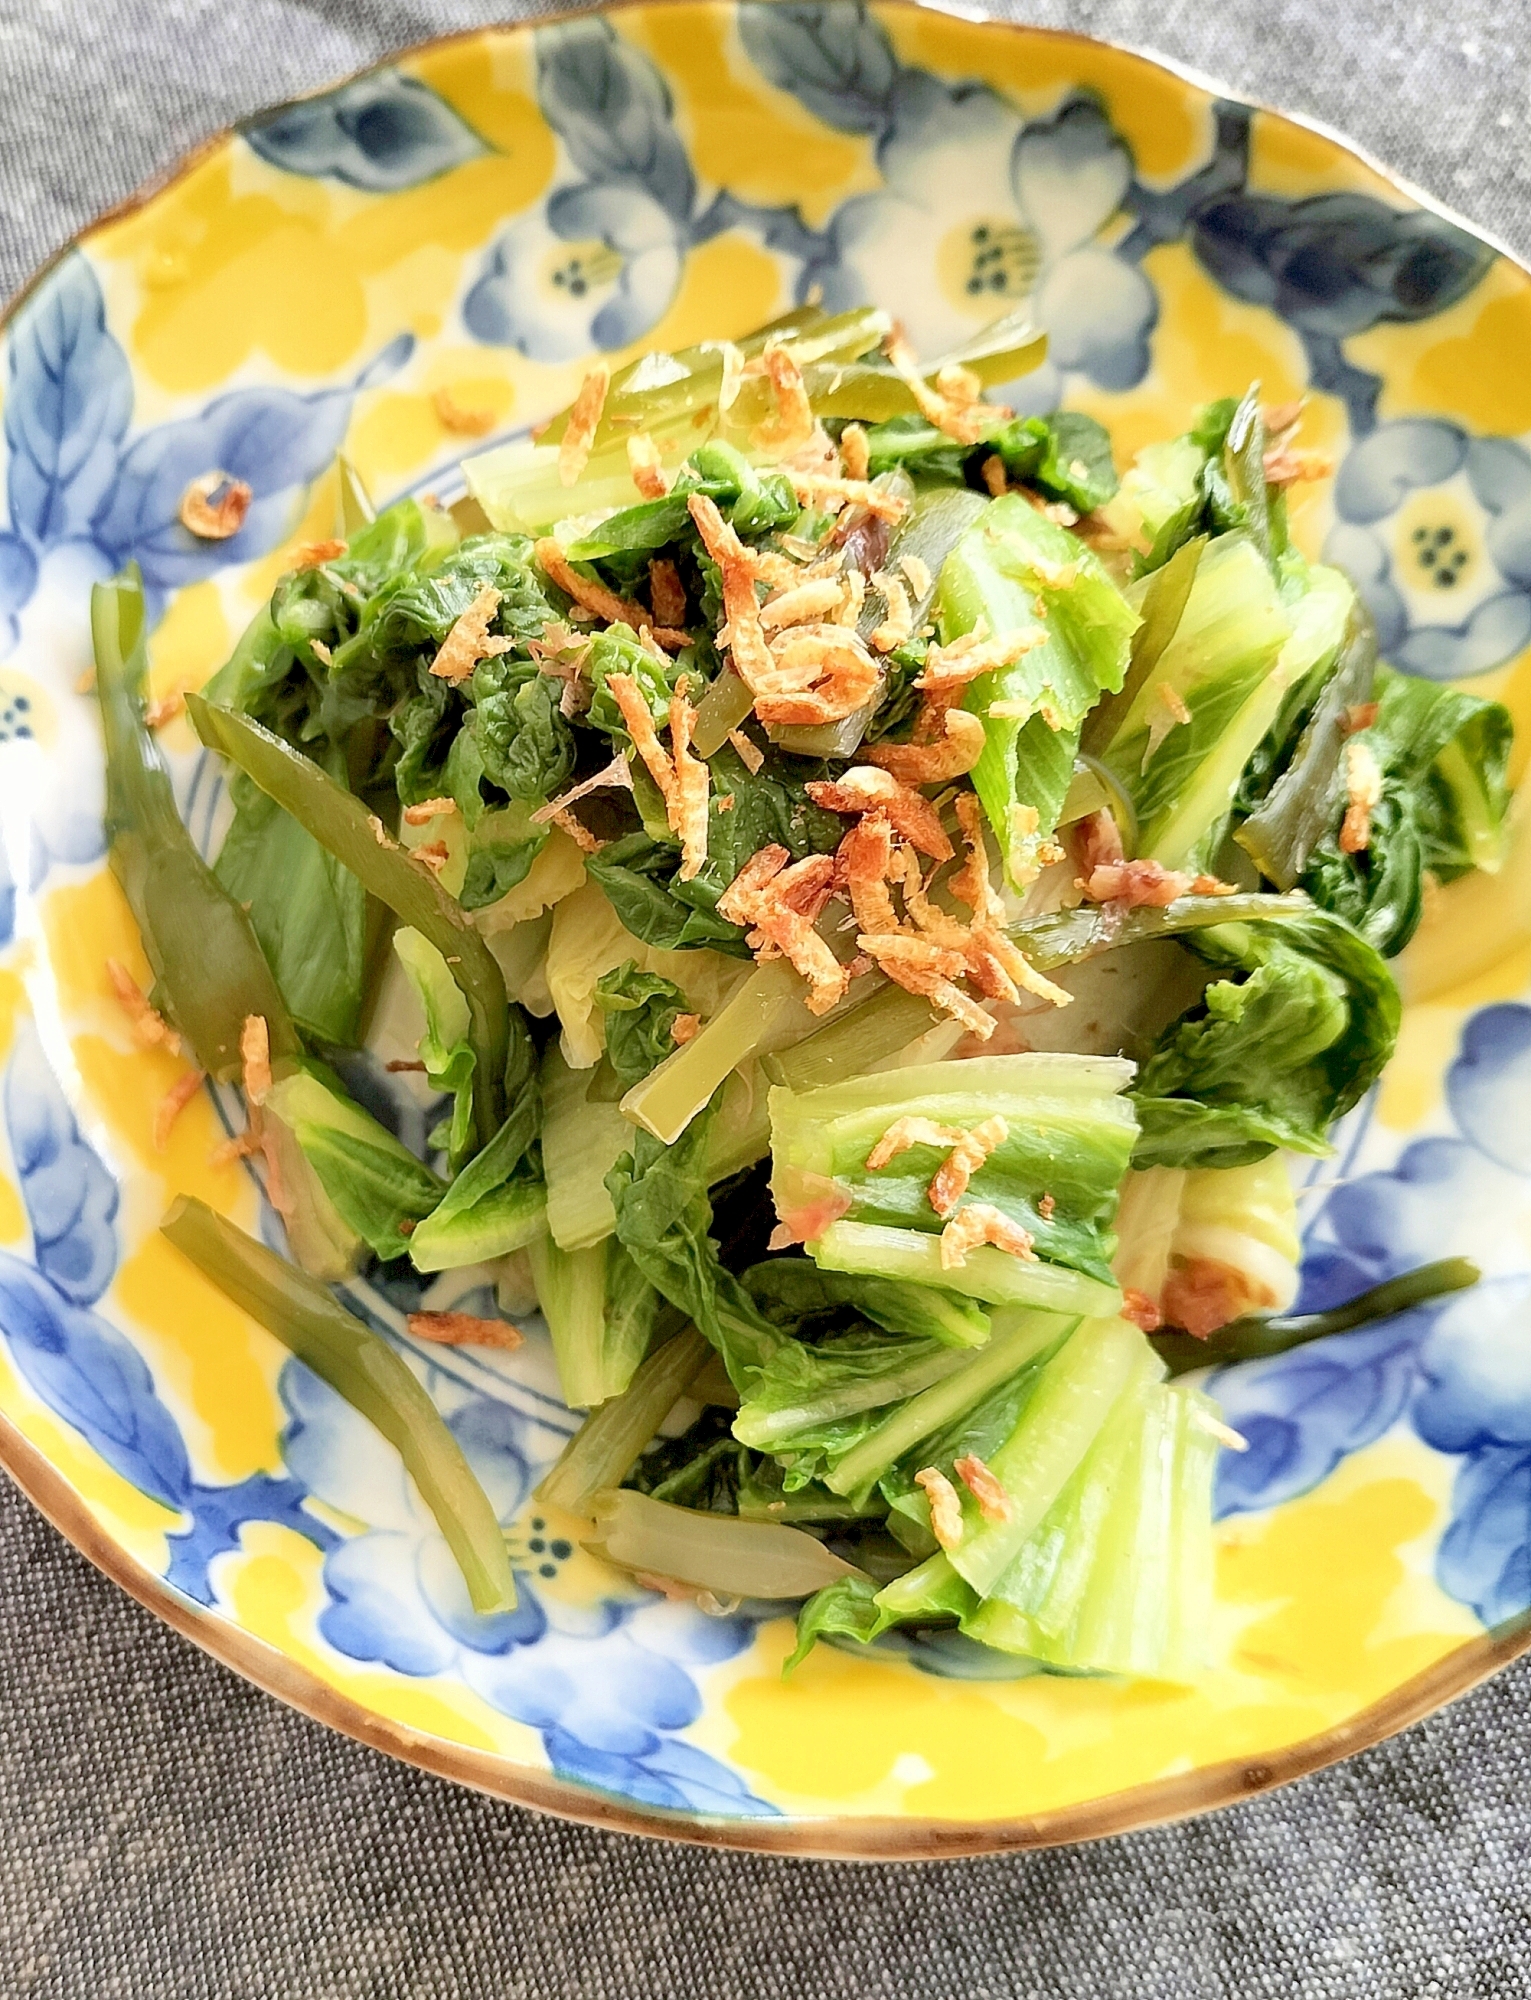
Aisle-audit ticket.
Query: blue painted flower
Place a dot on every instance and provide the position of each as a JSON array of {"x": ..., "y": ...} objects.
[
  {"x": 74, "y": 480},
  {"x": 1435, "y": 527},
  {"x": 597, "y": 263},
  {"x": 595, "y": 267},
  {"x": 381, "y": 133},
  {"x": 981, "y": 211},
  {"x": 1304, "y": 1411},
  {"x": 1485, "y": 1555},
  {"x": 1475, "y": 1369},
  {"x": 606, "y": 1674},
  {"x": 275, "y": 440},
  {"x": 1488, "y": 1086}
]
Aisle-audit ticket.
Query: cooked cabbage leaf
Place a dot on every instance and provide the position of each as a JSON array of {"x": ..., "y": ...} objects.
[
  {"x": 1270, "y": 1058},
  {"x": 1443, "y": 755},
  {"x": 1014, "y": 570}
]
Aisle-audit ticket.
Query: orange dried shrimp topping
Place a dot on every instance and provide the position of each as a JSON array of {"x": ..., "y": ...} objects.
[
  {"x": 934, "y": 763},
  {"x": 461, "y": 419},
  {"x": 455, "y": 1329},
  {"x": 985, "y": 1487},
  {"x": 597, "y": 599},
  {"x": 951, "y": 413},
  {"x": 781, "y": 904},
  {"x": 905, "y": 1133},
  {"x": 1201, "y": 1294},
  {"x": 1363, "y": 792},
  {"x": 255, "y": 1058},
  {"x": 897, "y": 627},
  {"x": 470, "y": 639},
  {"x": 214, "y": 506},
  {"x": 945, "y": 1507},
  {"x": 584, "y": 421},
  {"x": 865, "y": 859},
  {"x": 667, "y": 594},
  {"x": 1133, "y": 885},
  {"x": 791, "y": 425},
  {"x": 314, "y": 555},
  {"x": 931, "y": 971},
  {"x": 822, "y": 489},
  {"x": 963, "y": 1161},
  {"x": 947, "y": 741},
  {"x": 646, "y": 466},
  {"x": 818, "y": 673},
  {"x": 977, "y": 1224},
  {"x": 867, "y": 788},
  {"x": 172, "y": 1104},
  {"x": 741, "y": 607},
  {"x": 683, "y": 778},
  {"x": 802, "y": 603},
  {"x": 427, "y": 810},
  {"x": 150, "y": 1029}
]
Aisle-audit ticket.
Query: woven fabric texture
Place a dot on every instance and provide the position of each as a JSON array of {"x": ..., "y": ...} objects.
[{"x": 167, "y": 1831}]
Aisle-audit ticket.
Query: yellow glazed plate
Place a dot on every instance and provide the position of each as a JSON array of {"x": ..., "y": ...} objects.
[{"x": 427, "y": 258}]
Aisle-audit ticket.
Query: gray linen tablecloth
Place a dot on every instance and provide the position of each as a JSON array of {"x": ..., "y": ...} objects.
[{"x": 166, "y": 1830}]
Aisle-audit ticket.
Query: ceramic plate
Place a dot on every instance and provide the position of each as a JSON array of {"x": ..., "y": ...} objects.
[{"x": 441, "y": 246}]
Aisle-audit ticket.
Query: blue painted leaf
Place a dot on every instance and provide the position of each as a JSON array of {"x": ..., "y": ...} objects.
[
  {"x": 217, "y": 1515},
  {"x": 1485, "y": 1555},
  {"x": 611, "y": 108},
  {"x": 672, "y": 1774},
  {"x": 382, "y": 132},
  {"x": 88, "y": 1374},
  {"x": 70, "y": 1197},
  {"x": 1333, "y": 265},
  {"x": 274, "y": 440},
  {"x": 69, "y": 396},
  {"x": 1303, "y": 1412},
  {"x": 835, "y": 60}
]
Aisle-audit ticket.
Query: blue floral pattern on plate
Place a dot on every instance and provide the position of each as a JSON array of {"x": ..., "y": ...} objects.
[
  {"x": 978, "y": 206},
  {"x": 84, "y": 496},
  {"x": 598, "y": 262},
  {"x": 75, "y": 1361},
  {"x": 608, "y": 1685},
  {"x": 1435, "y": 527},
  {"x": 1459, "y": 1371},
  {"x": 982, "y": 208}
]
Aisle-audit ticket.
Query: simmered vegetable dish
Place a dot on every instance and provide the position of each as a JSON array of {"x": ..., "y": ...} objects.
[{"x": 862, "y": 907}]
